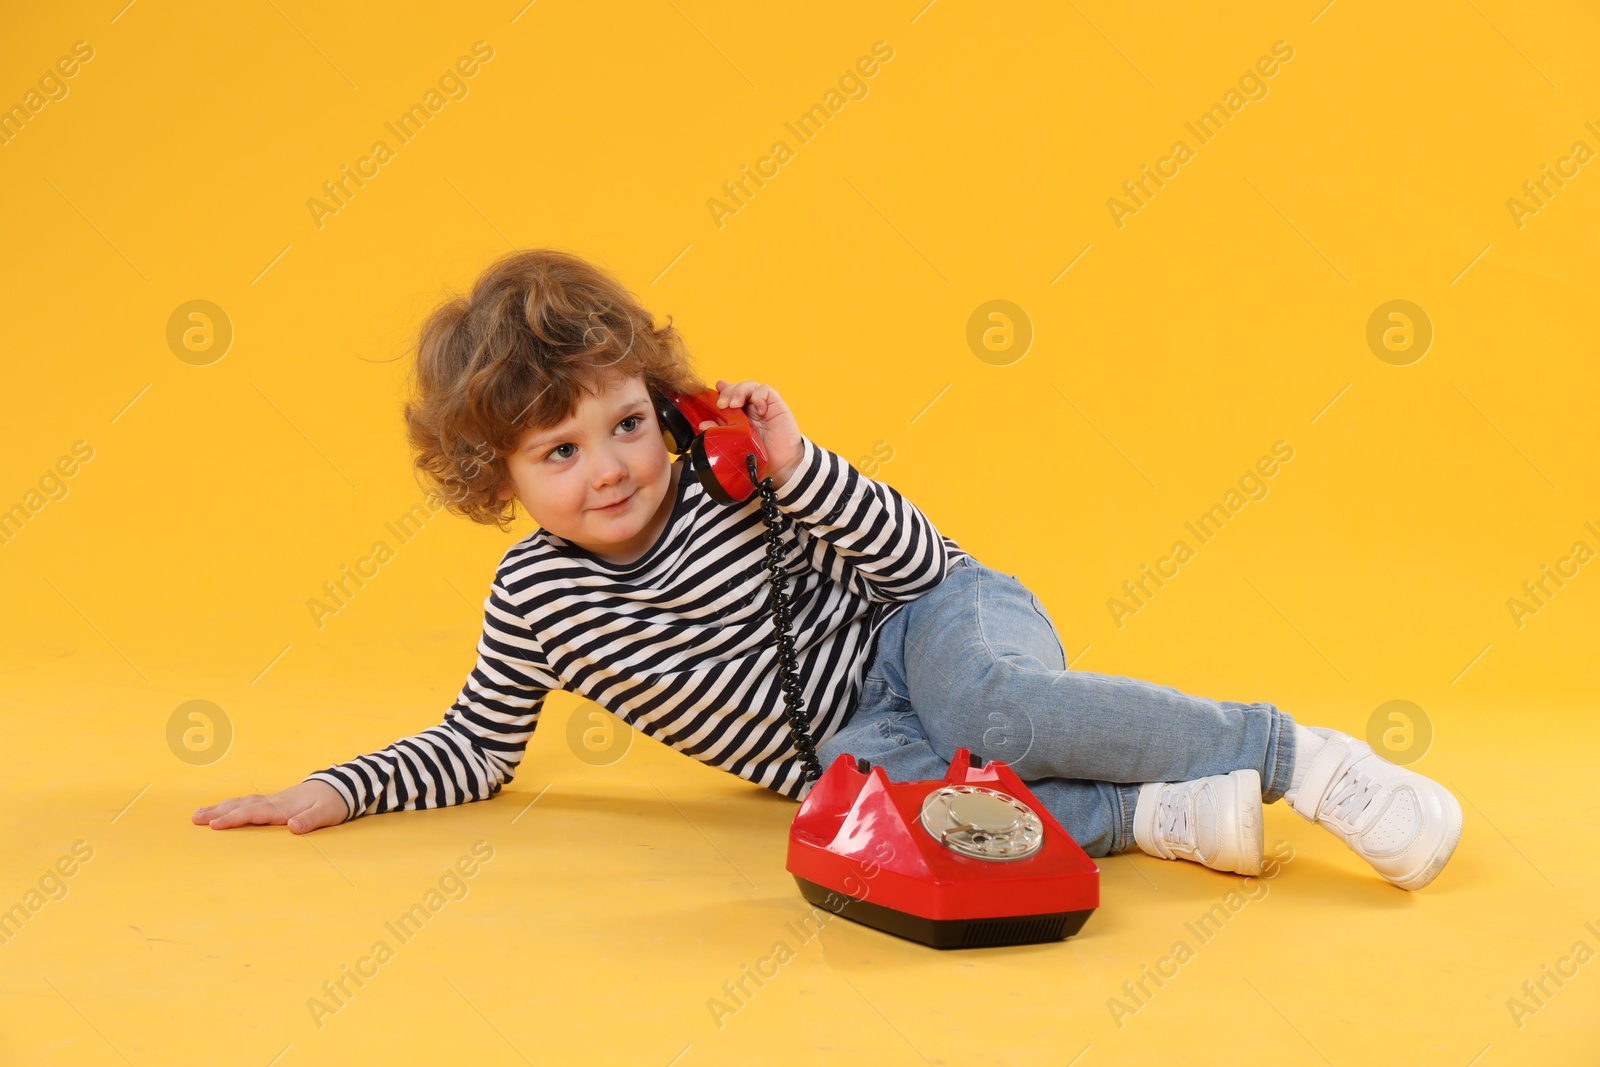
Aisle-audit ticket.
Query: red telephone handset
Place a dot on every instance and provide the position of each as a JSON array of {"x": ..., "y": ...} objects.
[
  {"x": 971, "y": 859},
  {"x": 719, "y": 453}
]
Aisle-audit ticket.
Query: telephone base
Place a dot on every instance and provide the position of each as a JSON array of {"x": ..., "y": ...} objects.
[
  {"x": 971, "y": 859},
  {"x": 947, "y": 933}
]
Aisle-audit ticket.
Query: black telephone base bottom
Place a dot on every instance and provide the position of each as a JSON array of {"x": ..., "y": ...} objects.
[{"x": 947, "y": 933}]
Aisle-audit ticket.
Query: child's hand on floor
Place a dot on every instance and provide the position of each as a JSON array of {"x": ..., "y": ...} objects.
[
  {"x": 772, "y": 420},
  {"x": 303, "y": 807}
]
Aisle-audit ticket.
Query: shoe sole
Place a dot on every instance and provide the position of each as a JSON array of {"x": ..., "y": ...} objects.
[
  {"x": 1247, "y": 794},
  {"x": 1441, "y": 855}
]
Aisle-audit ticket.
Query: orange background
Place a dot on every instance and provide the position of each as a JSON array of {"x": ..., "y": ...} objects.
[{"x": 1228, "y": 313}]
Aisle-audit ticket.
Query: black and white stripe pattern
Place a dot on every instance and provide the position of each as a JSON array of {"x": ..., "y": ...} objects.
[{"x": 678, "y": 643}]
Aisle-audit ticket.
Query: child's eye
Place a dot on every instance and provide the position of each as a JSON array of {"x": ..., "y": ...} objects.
[{"x": 636, "y": 419}]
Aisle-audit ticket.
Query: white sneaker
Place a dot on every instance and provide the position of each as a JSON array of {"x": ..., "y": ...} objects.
[
  {"x": 1402, "y": 823},
  {"x": 1215, "y": 821}
]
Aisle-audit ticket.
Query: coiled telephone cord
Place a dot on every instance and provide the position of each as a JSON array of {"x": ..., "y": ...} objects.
[{"x": 788, "y": 675}]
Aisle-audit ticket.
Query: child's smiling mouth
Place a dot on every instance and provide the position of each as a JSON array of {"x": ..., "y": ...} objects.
[{"x": 618, "y": 506}]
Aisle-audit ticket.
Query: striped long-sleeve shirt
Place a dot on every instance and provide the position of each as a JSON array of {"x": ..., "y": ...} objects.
[{"x": 679, "y": 643}]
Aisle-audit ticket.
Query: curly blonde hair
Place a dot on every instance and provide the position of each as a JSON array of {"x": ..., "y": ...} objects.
[{"x": 538, "y": 328}]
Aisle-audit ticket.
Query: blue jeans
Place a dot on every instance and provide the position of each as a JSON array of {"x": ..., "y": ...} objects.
[{"x": 975, "y": 663}]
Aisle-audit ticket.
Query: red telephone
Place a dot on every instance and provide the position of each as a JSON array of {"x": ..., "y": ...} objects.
[
  {"x": 718, "y": 453},
  {"x": 989, "y": 866}
]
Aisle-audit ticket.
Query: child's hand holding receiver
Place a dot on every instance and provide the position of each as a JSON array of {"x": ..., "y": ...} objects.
[
  {"x": 772, "y": 420},
  {"x": 303, "y": 807}
]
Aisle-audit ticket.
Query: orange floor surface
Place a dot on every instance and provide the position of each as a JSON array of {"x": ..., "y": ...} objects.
[{"x": 639, "y": 912}]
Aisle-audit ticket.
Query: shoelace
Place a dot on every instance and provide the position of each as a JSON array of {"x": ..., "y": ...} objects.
[
  {"x": 1351, "y": 795},
  {"x": 1175, "y": 825}
]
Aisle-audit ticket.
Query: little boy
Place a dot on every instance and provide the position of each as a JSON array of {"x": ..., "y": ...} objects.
[{"x": 643, "y": 594}]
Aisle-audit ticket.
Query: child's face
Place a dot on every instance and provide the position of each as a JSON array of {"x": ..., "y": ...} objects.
[{"x": 609, "y": 450}]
